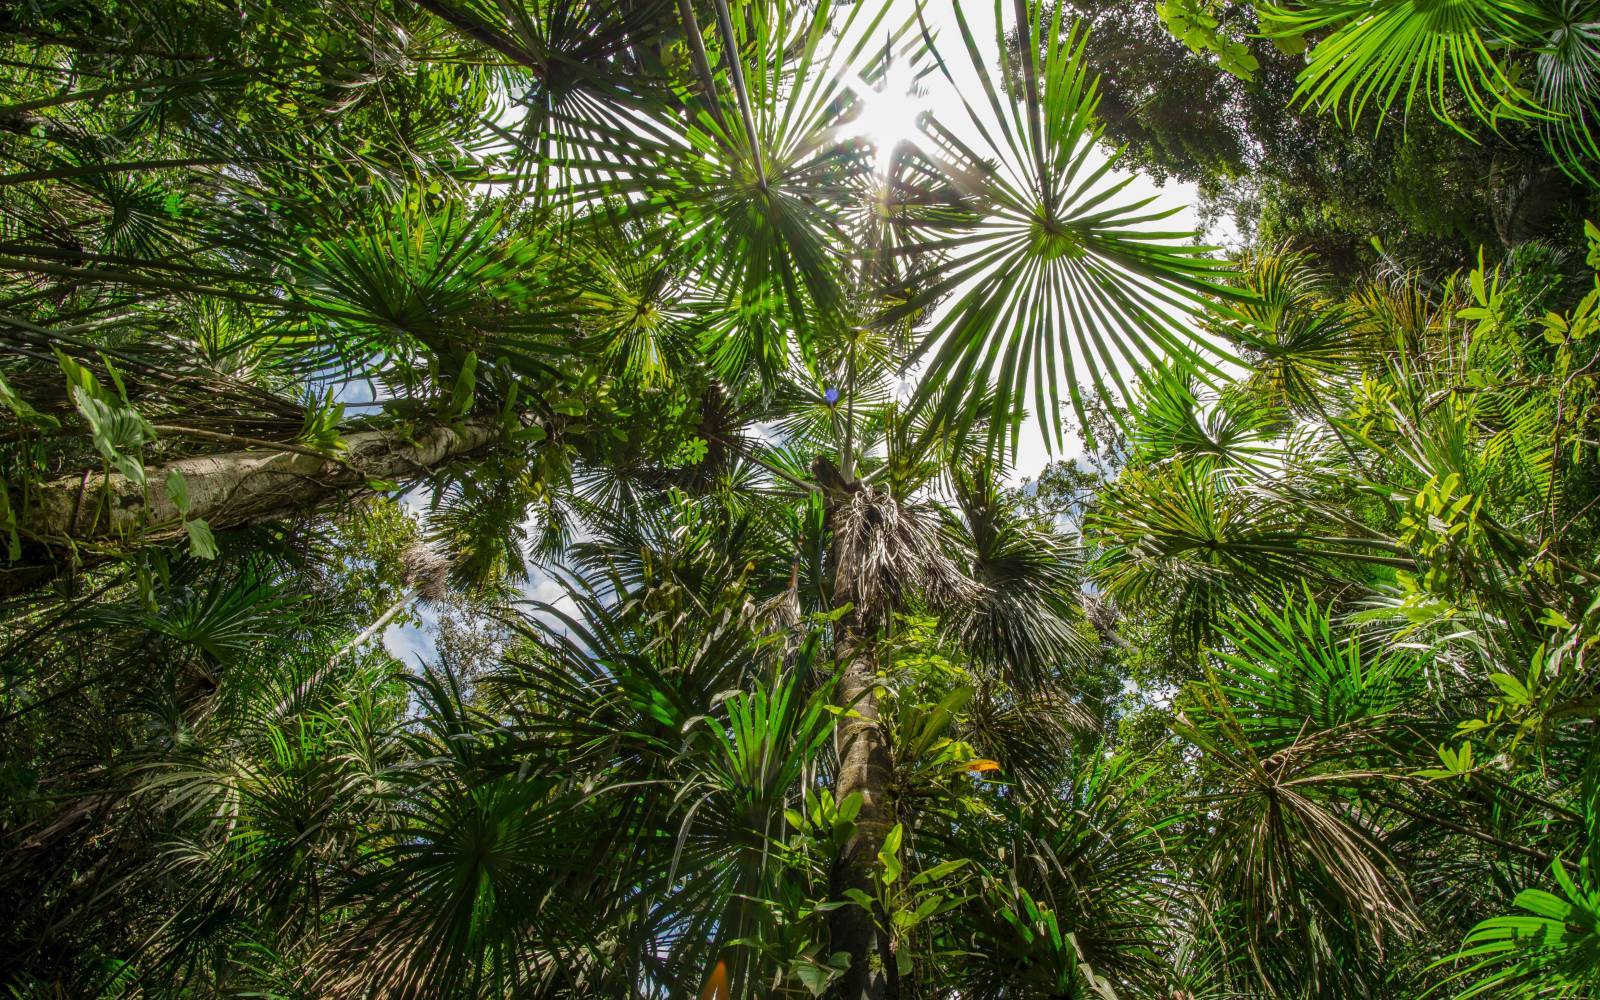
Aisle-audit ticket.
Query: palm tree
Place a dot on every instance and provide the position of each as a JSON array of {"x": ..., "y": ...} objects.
[
  {"x": 812, "y": 702},
  {"x": 747, "y": 181}
]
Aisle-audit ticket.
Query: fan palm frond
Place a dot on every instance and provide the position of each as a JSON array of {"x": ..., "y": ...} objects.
[
  {"x": 1187, "y": 537},
  {"x": 1025, "y": 621},
  {"x": 1296, "y": 338},
  {"x": 1060, "y": 272},
  {"x": 1174, "y": 422},
  {"x": 1286, "y": 674},
  {"x": 748, "y": 188}
]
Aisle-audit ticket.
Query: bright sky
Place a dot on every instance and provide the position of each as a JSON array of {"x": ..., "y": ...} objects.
[{"x": 410, "y": 642}]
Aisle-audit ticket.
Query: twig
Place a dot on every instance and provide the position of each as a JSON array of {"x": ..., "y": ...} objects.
[{"x": 246, "y": 442}]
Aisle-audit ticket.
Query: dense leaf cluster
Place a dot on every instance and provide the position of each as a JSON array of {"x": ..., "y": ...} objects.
[{"x": 610, "y": 345}]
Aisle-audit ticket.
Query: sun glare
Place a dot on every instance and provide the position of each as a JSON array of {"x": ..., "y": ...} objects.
[{"x": 888, "y": 113}]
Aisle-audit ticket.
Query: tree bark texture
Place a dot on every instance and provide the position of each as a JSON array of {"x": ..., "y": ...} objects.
[
  {"x": 866, "y": 767},
  {"x": 226, "y": 490}
]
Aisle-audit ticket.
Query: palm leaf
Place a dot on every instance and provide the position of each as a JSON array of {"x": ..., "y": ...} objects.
[
  {"x": 1376, "y": 55},
  {"x": 749, "y": 192},
  {"x": 1059, "y": 275}
]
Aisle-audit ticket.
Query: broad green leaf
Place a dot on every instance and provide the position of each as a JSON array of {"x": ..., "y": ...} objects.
[
  {"x": 889, "y": 855},
  {"x": 202, "y": 543},
  {"x": 178, "y": 490}
]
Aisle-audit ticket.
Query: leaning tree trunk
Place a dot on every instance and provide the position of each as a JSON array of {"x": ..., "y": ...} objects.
[
  {"x": 97, "y": 509},
  {"x": 865, "y": 768}
]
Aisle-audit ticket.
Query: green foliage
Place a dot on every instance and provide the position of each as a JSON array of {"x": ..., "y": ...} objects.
[
  {"x": 118, "y": 431},
  {"x": 202, "y": 544},
  {"x": 1056, "y": 224},
  {"x": 1377, "y": 57},
  {"x": 1197, "y": 26},
  {"x": 1284, "y": 174},
  {"x": 1549, "y": 948},
  {"x": 752, "y": 674}
]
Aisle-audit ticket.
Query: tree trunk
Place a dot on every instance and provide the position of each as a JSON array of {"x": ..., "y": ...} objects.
[
  {"x": 377, "y": 626},
  {"x": 865, "y": 768},
  {"x": 226, "y": 490}
]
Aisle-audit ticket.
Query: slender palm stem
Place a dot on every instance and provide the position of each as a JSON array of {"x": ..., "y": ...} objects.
[
  {"x": 736, "y": 69},
  {"x": 697, "y": 55}
]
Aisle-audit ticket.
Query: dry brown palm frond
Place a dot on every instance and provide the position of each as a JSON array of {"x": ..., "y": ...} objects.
[
  {"x": 889, "y": 549},
  {"x": 781, "y": 614},
  {"x": 1290, "y": 840},
  {"x": 427, "y": 570}
]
